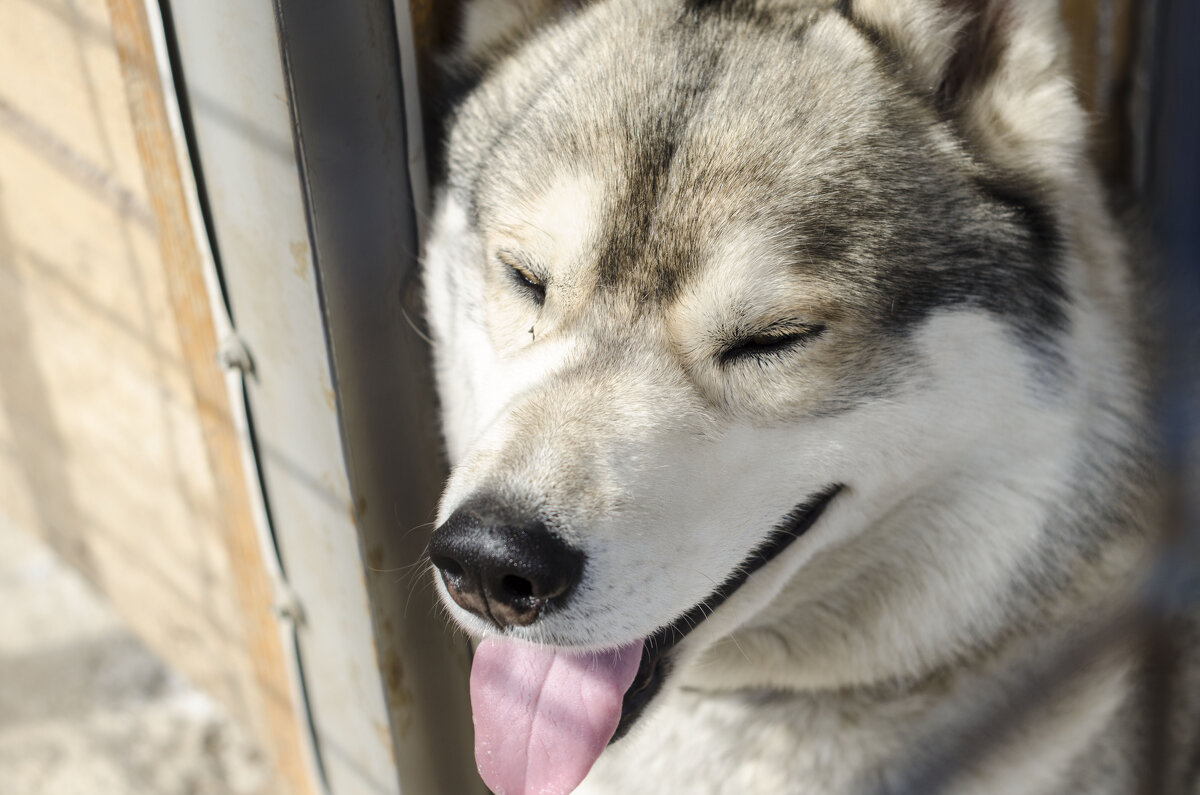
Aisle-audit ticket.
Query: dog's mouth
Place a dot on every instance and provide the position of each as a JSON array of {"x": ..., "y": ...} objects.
[
  {"x": 543, "y": 715},
  {"x": 655, "y": 662}
]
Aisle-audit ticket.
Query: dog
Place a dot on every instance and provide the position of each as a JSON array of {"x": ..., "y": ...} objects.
[{"x": 795, "y": 385}]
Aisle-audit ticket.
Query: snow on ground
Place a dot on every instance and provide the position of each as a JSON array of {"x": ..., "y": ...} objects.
[{"x": 86, "y": 709}]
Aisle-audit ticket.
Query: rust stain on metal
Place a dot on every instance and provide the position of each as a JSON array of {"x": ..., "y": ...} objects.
[
  {"x": 300, "y": 255},
  {"x": 393, "y": 677},
  {"x": 385, "y": 734},
  {"x": 399, "y": 698}
]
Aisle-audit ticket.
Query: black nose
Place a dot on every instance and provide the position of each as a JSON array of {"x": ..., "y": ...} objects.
[{"x": 501, "y": 568}]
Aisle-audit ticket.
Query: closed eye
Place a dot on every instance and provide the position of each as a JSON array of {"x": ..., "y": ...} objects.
[
  {"x": 523, "y": 278},
  {"x": 769, "y": 343}
]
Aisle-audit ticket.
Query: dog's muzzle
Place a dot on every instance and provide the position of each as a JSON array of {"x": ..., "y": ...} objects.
[
  {"x": 560, "y": 705},
  {"x": 503, "y": 569}
]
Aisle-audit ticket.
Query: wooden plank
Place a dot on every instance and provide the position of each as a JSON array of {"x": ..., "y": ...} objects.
[{"x": 190, "y": 305}]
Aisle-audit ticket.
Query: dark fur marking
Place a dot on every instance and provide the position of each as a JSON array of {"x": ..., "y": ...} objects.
[
  {"x": 891, "y": 61},
  {"x": 1034, "y": 291},
  {"x": 977, "y": 53},
  {"x": 729, "y": 10},
  {"x": 645, "y": 250},
  {"x": 630, "y": 236},
  {"x": 1016, "y": 273},
  {"x": 723, "y": 7},
  {"x": 1032, "y": 214},
  {"x": 1009, "y": 266},
  {"x": 911, "y": 246},
  {"x": 820, "y": 239}
]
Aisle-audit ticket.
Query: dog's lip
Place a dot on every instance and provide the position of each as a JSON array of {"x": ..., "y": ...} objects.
[{"x": 655, "y": 664}]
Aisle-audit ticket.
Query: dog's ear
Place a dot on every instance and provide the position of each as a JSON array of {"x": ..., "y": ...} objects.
[
  {"x": 999, "y": 68},
  {"x": 491, "y": 28}
]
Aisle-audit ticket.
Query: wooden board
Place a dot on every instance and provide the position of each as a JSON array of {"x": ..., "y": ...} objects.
[{"x": 190, "y": 305}]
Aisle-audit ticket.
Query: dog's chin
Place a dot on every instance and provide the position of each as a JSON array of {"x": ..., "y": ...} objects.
[{"x": 659, "y": 650}]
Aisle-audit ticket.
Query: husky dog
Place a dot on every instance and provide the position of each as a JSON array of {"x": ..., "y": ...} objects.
[{"x": 789, "y": 366}]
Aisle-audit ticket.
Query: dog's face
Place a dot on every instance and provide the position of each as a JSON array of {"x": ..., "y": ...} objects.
[{"x": 707, "y": 278}]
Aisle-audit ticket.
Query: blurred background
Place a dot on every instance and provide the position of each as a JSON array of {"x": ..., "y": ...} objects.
[{"x": 218, "y": 450}]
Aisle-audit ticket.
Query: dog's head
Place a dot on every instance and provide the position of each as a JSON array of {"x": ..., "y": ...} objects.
[{"x": 735, "y": 305}]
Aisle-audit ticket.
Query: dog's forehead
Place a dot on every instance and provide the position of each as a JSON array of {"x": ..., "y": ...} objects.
[
  {"x": 635, "y": 166},
  {"x": 645, "y": 149}
]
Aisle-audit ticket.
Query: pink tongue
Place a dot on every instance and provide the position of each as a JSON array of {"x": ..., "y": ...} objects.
[{"x": 542, "y": 715}]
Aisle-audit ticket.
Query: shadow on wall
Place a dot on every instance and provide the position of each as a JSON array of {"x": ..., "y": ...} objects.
[
  {"x": 49, "y": 303},
  {"x": 37, "y": 441}
]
